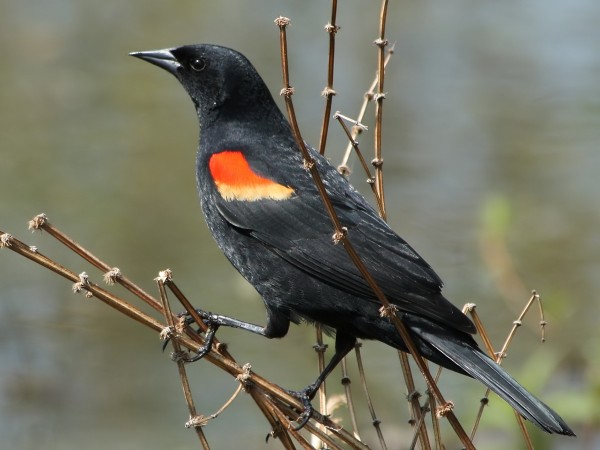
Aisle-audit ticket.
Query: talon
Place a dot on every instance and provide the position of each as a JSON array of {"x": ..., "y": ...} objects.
[
  {"x": 211, "y": 321},
  {"x": 304, "y": 417},
  {"x": 202, "y": 351},
  {"x": 304, "y": 396},
  {"x": 208, "y": 342}
]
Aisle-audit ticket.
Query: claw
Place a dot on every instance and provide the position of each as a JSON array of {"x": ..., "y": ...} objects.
[
  {"x": 208, "y": 342},
  {"x": 188, "y": 321},
  {"x": 304, "y": 417},
  {"x": 305, "y": 396},
  {"x": 213, "y": 326}
]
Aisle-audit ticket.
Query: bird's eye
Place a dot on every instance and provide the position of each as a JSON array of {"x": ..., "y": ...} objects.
[{"x": 198, "y": 64}]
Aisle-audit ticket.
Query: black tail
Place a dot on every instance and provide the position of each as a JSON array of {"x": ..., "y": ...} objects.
[{"x": 477, "y": 364}]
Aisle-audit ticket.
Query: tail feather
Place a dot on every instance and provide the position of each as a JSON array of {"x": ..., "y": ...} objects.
[{"x": 481, "y": 367}]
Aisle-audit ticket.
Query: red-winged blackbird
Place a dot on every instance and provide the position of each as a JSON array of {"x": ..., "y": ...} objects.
[{"x": 266, "y": 215}]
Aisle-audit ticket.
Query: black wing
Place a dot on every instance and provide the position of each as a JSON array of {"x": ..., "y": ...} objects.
[{"x": 300, "y": 231}]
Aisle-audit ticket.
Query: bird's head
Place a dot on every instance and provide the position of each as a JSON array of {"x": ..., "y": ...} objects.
[{"x": 218, "y": 79}]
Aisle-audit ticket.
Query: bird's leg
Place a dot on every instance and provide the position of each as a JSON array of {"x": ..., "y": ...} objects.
[
  {"x": 213, "y": 322},
  {"x": 219, "y": 320},
  {"x": 343, "y": 344},
  {"x": 277, "y": 326}
]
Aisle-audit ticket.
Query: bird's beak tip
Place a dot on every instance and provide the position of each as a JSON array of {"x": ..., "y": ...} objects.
[{"x": 161, "y": 58}]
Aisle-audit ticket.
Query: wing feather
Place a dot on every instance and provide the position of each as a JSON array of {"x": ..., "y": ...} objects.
[{"x": 300, "y": 231}]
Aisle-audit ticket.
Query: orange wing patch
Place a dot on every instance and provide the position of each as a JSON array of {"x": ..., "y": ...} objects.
[{"x": 236, "y": 180}]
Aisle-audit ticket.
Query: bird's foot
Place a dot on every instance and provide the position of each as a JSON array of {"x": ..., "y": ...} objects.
[
  {"x": 212, "y": 323},
  {"x": 188, "y": 320},
  {"x": 209, "y": 337},
  {"x": 305, "y": 396}
]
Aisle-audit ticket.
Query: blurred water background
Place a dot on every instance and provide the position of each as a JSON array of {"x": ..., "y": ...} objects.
[{"x": 491, "y": 136}]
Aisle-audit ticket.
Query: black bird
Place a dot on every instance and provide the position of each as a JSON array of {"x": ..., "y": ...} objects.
[{"x": 265, "y": 213}]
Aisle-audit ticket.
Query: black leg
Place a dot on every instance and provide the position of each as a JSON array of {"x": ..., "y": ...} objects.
[
  {"x": 343, "y": 344},
  {"x": 219, "y": 320}
]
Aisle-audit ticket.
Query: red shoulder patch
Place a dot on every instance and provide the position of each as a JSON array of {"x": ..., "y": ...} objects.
[{"x": 235, "y": 179}]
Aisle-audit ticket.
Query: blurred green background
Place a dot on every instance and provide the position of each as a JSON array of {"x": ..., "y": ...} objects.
[{"x": 492, "y": 171}]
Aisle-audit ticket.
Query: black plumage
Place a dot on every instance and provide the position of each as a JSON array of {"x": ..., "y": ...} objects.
[{"x": 269, "y": 220}]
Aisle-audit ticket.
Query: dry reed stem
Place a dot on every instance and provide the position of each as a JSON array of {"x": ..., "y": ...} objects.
[
  {"x": 103, "y": 295},
  {"x": 278, "y": 431},
  {"x": 519, "y": 321},
  {"x": 437, "y": 434},
  {"x": 377, "y": 162},
  {"x": 341, "y": 232},
  {"x": 193, "y": 313},
  {"x": 363, "y": 379},
  {"x": 185, "y": 382},
  {"x": 332, "y": 28},
  {"x": 343, "y": 168},
  {"x": 367, "y": 98},
  {"x": 346, "y": 382},
  {"x": 413, "y": 395},
  {"x": 499, "y": 356},
  {"x": 353, "y": 144},
  {"x": 336, "y": 433},
  {"x": 363, "y": 162},
  {"x": 190, "y": 339},
  {"x": 417, "y": 436},
  {"x": 275, "y": 415},
  {"x": 113, "y": 274},
  {"x": 320, "y": 348}
]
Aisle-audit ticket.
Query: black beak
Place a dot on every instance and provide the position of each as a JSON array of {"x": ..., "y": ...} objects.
[{"x": 161, "y": 58}]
